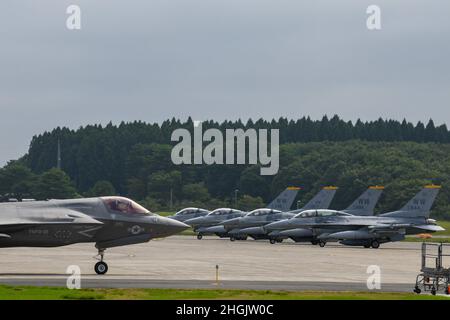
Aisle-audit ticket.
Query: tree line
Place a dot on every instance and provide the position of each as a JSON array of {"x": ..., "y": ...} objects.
[{"x": 133, "y": 159}]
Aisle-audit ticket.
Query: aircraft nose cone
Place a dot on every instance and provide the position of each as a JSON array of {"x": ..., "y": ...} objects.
[
  {"x": 194, "y": 221},
  {"x": 231, "y": 222},
  {"x": 174, "y": 226},
  {"x": 278, "y": 225}
]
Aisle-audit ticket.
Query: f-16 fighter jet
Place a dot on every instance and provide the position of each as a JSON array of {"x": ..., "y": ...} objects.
[
  {"x": 348, "y": 229},
  {"x": 282, "y": 202},
  {"x": 252, "y": 223},
  {"x": 189, "y": 213},
  {"x": 364, "y": 205},
  {"x": 201, "y": 225},
  {"x": 107, "y": 221}
]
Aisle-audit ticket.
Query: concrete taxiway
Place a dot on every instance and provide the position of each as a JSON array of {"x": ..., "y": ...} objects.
[{"x": 185, "y": 262}]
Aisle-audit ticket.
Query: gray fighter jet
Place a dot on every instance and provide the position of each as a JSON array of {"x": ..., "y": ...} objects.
[
  {"x": 364, "y": 205},
  {"x": 201, "y": 224},
  {"x": 189, "y": 213},
  {"x": 331, "y": 225},
  {"x": 252, "y": 223},
  {"x": 235, "y": 230},
  {"x": 107, "y": 221}
]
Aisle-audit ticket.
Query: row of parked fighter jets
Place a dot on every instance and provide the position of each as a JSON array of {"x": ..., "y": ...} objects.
[{"x": 356, "y": 225}]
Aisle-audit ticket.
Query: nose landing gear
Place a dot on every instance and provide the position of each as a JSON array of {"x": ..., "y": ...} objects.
[{"x": 101, "y": 267}]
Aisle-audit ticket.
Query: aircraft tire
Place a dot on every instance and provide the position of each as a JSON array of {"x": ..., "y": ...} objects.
[
  {"x": 199, "y": 237},
  {"x": 322, "y": 243},
  {"x": 375, "y": 244},
  {"x": 101, "y": 267},
  {"x": 232, "y": 238},
  {"x": 273, "y": 241}
]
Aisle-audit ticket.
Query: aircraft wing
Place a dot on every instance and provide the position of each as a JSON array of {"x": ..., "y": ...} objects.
[
  {"x": 395, "y": 226},
  {"x": 383, "y": 228},
  {"x": 430, "y": 227}
]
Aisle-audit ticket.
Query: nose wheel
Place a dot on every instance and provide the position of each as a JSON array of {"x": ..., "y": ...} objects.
[
  {"x": 375, "y": 244},
  {"x": 101, "y": 267}
]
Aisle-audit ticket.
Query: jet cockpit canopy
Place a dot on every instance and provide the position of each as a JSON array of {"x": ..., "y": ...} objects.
[
  {"x": 124, "y": 205},
  {"x": 223, "y": 211},
  {"x": 262, "y": 212},
  {"x": 186, "y": 211},
  {"x": 320, "y": 213}
]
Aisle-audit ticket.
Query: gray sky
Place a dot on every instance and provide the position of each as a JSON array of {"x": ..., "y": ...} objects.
[{"x": 218, "y": 59}]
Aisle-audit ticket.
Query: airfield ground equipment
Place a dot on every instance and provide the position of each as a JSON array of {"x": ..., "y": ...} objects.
[{"x": 434, "y": 274}]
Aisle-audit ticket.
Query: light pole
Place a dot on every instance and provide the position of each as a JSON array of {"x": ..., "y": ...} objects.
[{"x": 235, "y": 198}]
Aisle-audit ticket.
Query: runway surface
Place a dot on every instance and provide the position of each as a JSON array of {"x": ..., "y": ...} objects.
[{"x": 185, "y": 262}]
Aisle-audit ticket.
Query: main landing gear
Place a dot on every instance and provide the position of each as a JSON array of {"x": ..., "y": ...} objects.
[
  {"x": 101, "y": 267},
  {"x": 374, "y": 244},
  {"x": 273, "y": 241}
]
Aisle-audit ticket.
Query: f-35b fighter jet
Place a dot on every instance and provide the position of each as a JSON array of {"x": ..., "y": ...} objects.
[{"x": 107, "y": 221}]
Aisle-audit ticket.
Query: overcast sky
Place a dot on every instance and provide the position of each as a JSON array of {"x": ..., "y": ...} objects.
[{"x": 218, "y": 59}]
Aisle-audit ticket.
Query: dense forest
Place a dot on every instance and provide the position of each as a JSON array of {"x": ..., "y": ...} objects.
[{"x": 133, "y": 159}]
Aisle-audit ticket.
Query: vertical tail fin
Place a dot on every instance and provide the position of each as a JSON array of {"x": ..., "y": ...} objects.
[
  {"x": 321, "y": 200},
  {"x": 284, "y": 200},
  {"x": 419, "y": 205},
  {"x": 365, "y": 203}
]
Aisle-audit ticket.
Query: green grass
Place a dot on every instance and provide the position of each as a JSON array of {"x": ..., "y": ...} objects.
[
  {"x": 188, "y": 232},
  {"x": 434, "y": 240},
  {"x": 446, "y": 226},
  {"x": 50, "y": 293},
  {"x": 165, "y": 213}
]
